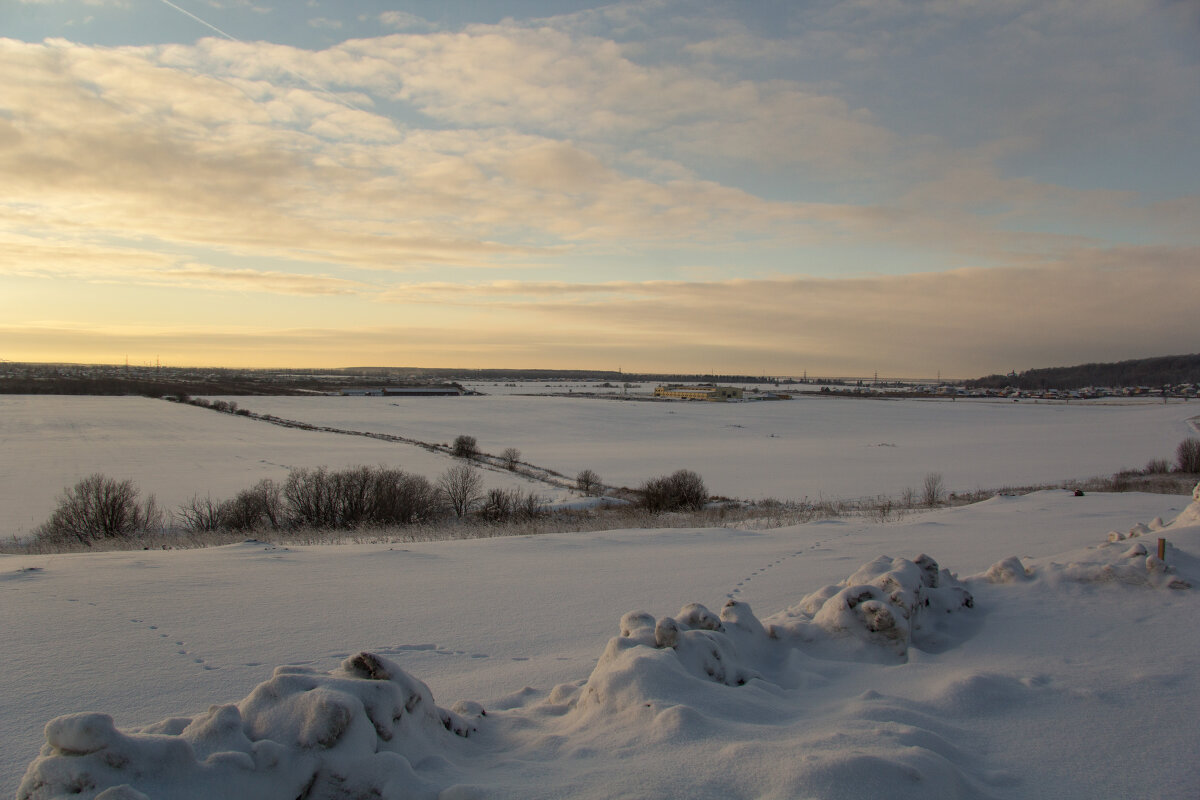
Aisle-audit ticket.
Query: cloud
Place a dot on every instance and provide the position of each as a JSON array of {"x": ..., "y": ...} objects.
[
  {"x": 546, "y": 80},
  {"x": 30, "y": 257},
  {"x": 403, "y": 20},
  {"x": 645, "y": 142},
  {"x": 1092, "y": 305}
]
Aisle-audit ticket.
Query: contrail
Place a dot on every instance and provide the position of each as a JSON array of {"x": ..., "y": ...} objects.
[
  {"x": 202, "y": 22},
  {"x": 285, "y": 68}
]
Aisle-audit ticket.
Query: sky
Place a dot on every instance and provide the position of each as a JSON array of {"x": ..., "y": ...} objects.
[{"x": 848, "y": 187}]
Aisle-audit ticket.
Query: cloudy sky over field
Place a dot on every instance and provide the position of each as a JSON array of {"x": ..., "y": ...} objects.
[{"x": 901, "y": 186}]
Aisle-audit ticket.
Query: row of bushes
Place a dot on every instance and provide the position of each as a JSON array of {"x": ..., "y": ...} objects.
[{"x": 99, "y": 508}]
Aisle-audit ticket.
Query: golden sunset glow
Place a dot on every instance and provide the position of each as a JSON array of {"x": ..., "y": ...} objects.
[{"x": 847, "y": 187}]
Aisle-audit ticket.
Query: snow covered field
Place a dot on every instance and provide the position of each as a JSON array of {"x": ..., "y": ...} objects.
[
  {"x": 809, "y": 447},
  {"x": 1074, "y": 682},
  {"x": 169, "y": 450}
]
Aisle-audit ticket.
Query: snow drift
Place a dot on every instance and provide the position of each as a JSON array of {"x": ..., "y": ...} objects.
[
  {"x": 351, "y": 732},
  {"x": 368, "y": 728},
  {"x": 741, "y": 701}
]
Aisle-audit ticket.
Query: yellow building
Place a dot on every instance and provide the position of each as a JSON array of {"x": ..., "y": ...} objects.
[{"x": 701, "y": 392}]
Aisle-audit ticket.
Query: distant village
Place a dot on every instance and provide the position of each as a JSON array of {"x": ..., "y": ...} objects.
[{"x": 157, "y": 381}]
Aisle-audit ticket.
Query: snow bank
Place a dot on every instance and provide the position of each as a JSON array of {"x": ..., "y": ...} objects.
[
  {"x": 356, "y": 731},
  {"x": 1117, "y": 560},
  {"x": 368, "y": 728},
  {"x": 770, "y": 707}
]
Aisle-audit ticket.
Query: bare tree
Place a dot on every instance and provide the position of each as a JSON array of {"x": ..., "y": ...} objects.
[
  {"x": 257, "y": 507},
  {"x": 498, "y": 505},
  {"x": 511, "y": 457},
  {"x": 933, "y": 489},
  {"x": 461, "y": 485},
  {"x": 200, "y": 515},
  {"x": 1187, "y": 455},
  {"x": 588, "y": 482}
]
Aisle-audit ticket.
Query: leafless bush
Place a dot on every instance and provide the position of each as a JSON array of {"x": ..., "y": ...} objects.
[
  {"x": 199, "y": 515},
  {"x": 933, "y": 490},
  {"x": 527, "y": 506},
  {"x": 1157, "y": 466},
  {"x": 324, "y": 499},
  {"x": 401, "y": 498},
  {"x": 309, "y": 497},
  {"x": 497, "y": 505},
  {"x": 588, "y": 482},
  {"x": 511, "y": 505},
  {"x": 682, "y": 489},
  {"x": 1187, "y": 456},
  {"x": 460, "y": 485},
  {"x": 465, "y": 446},
  {"x": 511, "y": 457},
  {"x": 258, "y": 507},
  {"x": 98, "y": 508}
]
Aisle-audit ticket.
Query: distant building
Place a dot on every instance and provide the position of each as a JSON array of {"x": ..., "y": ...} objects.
[
  {"x": 424, "y": 390},
  {"x": 700, "y": 392}
]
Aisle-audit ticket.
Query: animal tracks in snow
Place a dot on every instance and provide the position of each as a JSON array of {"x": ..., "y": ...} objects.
[
  {"x": 180, "y": 645},
  {"x": 432, "y": 649},
  {"x": 761, "y": 571}
]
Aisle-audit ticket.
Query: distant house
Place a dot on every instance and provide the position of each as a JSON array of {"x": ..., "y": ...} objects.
[
  {"x": 422, "y": 390},
  {"x": 706, "y": 391}
]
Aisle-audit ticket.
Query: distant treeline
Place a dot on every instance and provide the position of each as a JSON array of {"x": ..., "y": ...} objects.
[
  {"x": 614, "y": 376},
  {"x": 134, "y": 386},
  {"x": 1151, "y": 372}
]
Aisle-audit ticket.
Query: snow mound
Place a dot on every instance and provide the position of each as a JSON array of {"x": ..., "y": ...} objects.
[
  {"x": 1119, "y": 559},
  {"x": 355, "y": 731},
  {"x": 1191, "y": 514},
  {"x": 885, "y": 607}
]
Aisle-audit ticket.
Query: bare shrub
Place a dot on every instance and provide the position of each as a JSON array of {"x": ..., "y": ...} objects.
[
  {"x": 497, "y": 505},
  {"x": 351, "y": 496},
  {"x": 97, "y": 508},
  {"x": 527, "y": 506},
  {"x": 460, "y": 485},
  {"x": 933, "y": 489},
  {"x": 465, "y": 446},
  {"x": 511, "y": 457},
  {"x": 309, "y": 497},
  {"x": 908, "y": 498},
  {"x": 401, "y": 498},
  {"x": 511, "y": 505},
  {"x": 588, "y": 482},
  {"x": 260, "y": 506},
  {"x": 1157, "y": 466},
  {"x": 199, "y": 515},
  {"x": 682, "y": 489},
  {"x": 1187, "y": 455}
]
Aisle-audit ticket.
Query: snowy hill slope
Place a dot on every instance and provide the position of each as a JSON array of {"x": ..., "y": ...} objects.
[{"x": 1044, "y": 655}]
